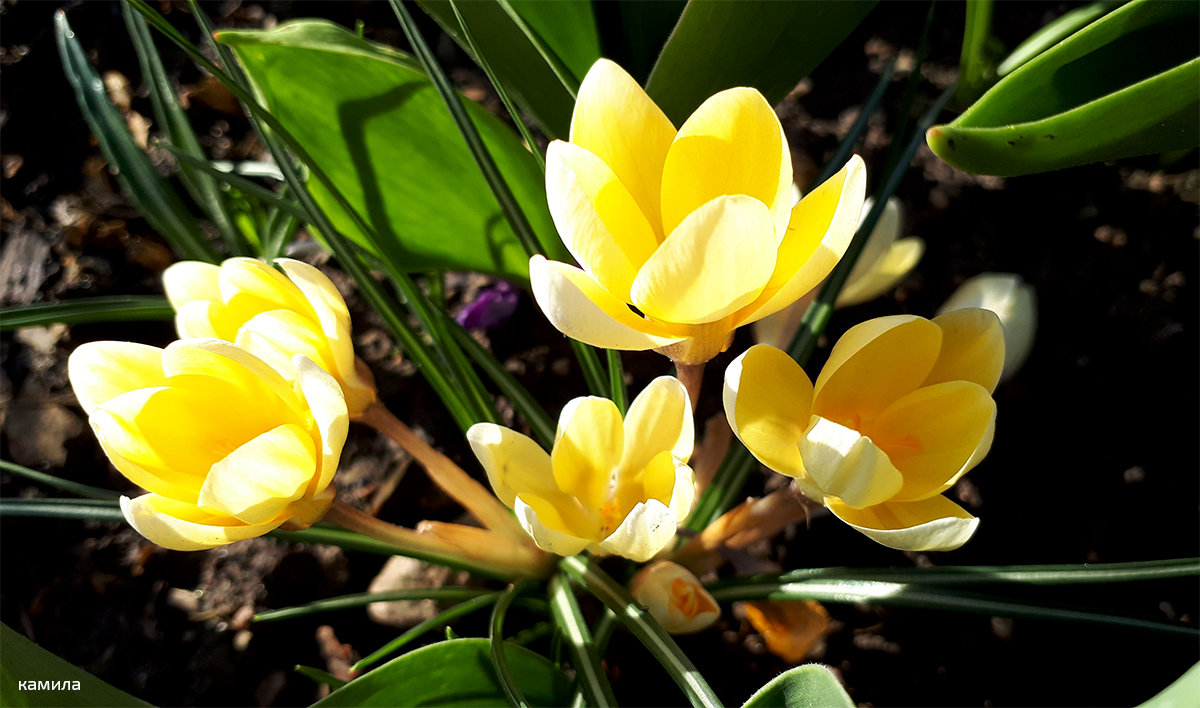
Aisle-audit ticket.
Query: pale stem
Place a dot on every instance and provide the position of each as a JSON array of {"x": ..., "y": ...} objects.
[
  {"x": 351, "y": 519},
  {"x": 691, "y": 376},
  {"x": 450, "y": 477}
]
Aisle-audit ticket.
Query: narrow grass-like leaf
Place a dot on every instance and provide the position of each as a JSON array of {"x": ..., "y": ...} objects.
[
  {"x": 973, "y": 63},
  {"x": 660, "y": 644},
  {"x": 589, "y": 674},
  {"x": 367, "y": 598},
  {"x": 78, "y": 509},
  {"x": 109, "y": 308},
  {"x": 235, "y": 180},
  {"x": 616, "y": 380},
  {"x": 496, "y": 646},
  {"x": 319, "y": 675},
  {"x": 1064, "y": 574},
  {"x": 951, "y": 599},
  {"x": 66, "y": 485},
  {"x": 438, "y": 620},
  {"x": 150, "y": 194},
  {"x": 174, "y": 123}
]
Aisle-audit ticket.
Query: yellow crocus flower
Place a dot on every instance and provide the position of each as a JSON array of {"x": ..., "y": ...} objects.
[
  {"x": 674, "y": 597},
  {"x": 901, "y": 410},
  {"x": 271, "y": 314},
  {"x": 612, "y": 486},
  {"x": 225, "y": 446},
  {"x": 682, "y": 236}
]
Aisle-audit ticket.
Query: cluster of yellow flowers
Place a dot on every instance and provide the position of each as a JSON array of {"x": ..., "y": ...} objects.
[{"x": 681, "y": 236}]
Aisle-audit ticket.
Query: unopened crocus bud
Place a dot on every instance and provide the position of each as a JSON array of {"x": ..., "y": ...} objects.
[
  {"x": 1014, "y": 302},
  {"x": 674, "y": 597}
]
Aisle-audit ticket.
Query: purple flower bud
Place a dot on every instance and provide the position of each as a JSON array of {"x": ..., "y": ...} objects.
[{"x": 491, "y": 308}]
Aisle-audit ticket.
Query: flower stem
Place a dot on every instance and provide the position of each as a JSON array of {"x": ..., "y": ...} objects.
[
  {"x": 450, "y": 477},
  {"x": 692, "y": 376}
]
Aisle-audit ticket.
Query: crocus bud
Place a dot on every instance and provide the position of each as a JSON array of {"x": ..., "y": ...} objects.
[
  {"x": 674, "y": 597},
  {"x": 225, "y": 446},
  {"x": 1014, "y": 302}
]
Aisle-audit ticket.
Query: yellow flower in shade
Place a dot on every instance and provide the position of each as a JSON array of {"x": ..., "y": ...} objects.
[
  {"x": 674, "y": 597},
  {"x": 271, "y": 315},
  {"x": 225, "y": 446},
  {"x": 610, "y": 486},
  {"x": 901, "y": 410},
  {"x": 684, "y": 235},
  {"x": 883, "y": 263}
]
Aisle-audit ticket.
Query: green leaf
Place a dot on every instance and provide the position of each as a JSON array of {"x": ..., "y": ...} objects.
[
  {"x": 455, "y": 672},
  {"x": 146, "y": 190},
  {"x": 372, "y": 121},
  {"x": 1125, "y": 85},
  {"x": 1181, "y": 694},
  {"x": 768, "y": 45},
  {"x": 540, "y": 50},
  {"x": 26, "y": 661},
  {"x": 1054, "y": 33},
  {"x": 119, "y": 308},
  {"x": 799, "y": 687}
]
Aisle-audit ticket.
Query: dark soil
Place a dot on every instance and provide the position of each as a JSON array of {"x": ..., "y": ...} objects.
[{"x": 1095, "y": 458}]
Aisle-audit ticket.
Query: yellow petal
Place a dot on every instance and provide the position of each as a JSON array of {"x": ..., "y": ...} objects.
[
  {"x": 325, "y": 401},
  {"x": 901, "y": 258},
  {"x": 674, "y": 597},
  {"x": 200, "y": 319},
  {"x": 872, "y": 365},
  {"x": 665, "y": 479},
  {"x": 514, "y": 463},
  {"x": 646, "y": 530},
  {"x": 257, "y": 481},
  {"x": 546, "y": 524},
  {"x": 319, "y": 291},
  {"x": 717, "y": 260},
  {"x": 885, "y": 233},
  {"x": 972, "y": 348},
  {"x": 249, "y": 286},
  {"x": 1013, "y": 301},
  {"x": 190, "y": 281},
  {"x": 732, "y": 144},
  {"x": 616, "y": 121},
  {"x": 226, "y": 361},
  {"x": 116, "y": 436},
  {"x": 843, "y": 463},
  {"x": 790, "y": 629},
  {"x": 599, "y": 221},
  {"x": 933, "y": 524},
  {"x": 589, "y": 444},
  {"x": 275, "y": 335},
  {"x": 818, "y": 232},
  {"x": 932, "y": 433},
  {"x": 101, "y": 371},
  {"x": 660, "y": 418},
  {"x": 143, "y": 514},
  {"x": 578, "y": 307},
  {"x": 767, "y": 402}
]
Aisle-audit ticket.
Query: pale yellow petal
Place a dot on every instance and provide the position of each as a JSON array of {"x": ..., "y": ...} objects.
[
  {"x": 257, "y": 481},
  {"x": 646, "y": 530},
  {"x": 249, "y": 286},
  {"x": 190, "y": 281},
  {"x": 101, "y": 371},
  {"x": 117, "y": 436},
  {"x": 778, "y": 329},
  {"x": 275, "y": 335},
  {"x": 674, "y": 597},
  {"x": 885, "y": 233},
  {"x": 818, "y": 232},
  {"x": 198, "y": 319},
  {"x": 1013, "y": 301},
  {"x": 322, "y": 296},
  {"x": 972, "y": 348},
  {"x": 589, "y": 446},
  {"x": 325, "y": 401},
  {"x": 932, "y": 433},
  {"x": 872, "y": 365},
  {"x": 546, "y": 524},
  {"x": 224, "y": 360},
  {"x": 660, "y": 418},
  {"x": 933, "y": 524},
  {"x": 599, "y": 221},
  {"x": 732, "y": 144},
  {"x": 887, "y": 273},
  {"x": 514, "y": 463},
  {"x": 580, "y": 308},
  {"x": 615, "y": 120},
  {"x": 717, "y": 261},
  {"x": 177, "y": 534},
  {"x": 843, "y": 463},
  {"x": 767, "y": 402}
]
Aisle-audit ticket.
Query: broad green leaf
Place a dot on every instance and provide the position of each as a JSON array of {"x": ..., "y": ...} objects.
[
  {"x": 768, "y": 45},
  {"x": 1053, "y": 33},
  {"x": 1180, "y": 694},
  {"x": 149, "y": 193},
  {"x": 1125, "y": 85},
  {"x": 540, "y": 50},
  {"x": 65, "y": 684},
  {"x": 455, "y": 672},
  {"x": 808, "y": 686},
  {"x": 376, "y": 126}
]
